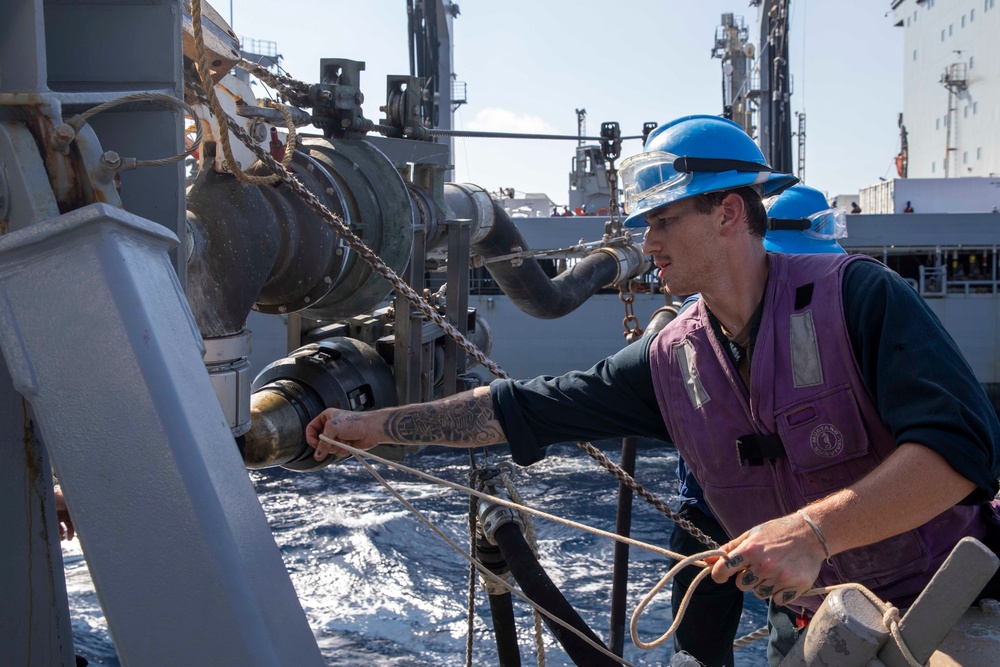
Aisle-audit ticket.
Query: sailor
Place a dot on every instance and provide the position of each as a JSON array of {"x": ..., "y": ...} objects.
[
  {"x": 799, "y": 221},
  {"x": 836, "y": 430}
]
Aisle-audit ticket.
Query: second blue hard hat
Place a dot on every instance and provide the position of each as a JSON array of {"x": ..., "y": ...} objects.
[{"x": 800, "y": 221}]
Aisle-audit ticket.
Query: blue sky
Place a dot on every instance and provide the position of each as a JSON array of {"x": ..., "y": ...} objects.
[{"x": 530, "y": 64}]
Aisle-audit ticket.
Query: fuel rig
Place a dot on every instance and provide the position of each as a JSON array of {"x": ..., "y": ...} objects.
[{"x": 126, "y": 283}]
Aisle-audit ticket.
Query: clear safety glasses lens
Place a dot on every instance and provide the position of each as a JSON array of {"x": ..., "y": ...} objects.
[
  {"x": 827, "y": 225},
  {"x": 648, "y": 178}
]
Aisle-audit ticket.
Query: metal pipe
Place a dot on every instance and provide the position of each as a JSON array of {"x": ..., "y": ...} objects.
[
  {"x": 619, "y": 569},
  {"x": 523, "y": 279}
]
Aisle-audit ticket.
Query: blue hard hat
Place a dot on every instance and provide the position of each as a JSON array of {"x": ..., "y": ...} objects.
[
  {"x": 799, "y": 221},
  {"x": 691, "y": 156}
]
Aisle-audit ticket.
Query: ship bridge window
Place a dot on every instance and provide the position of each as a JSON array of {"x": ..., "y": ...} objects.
[
  {"x": 914, "y": 54},
  {"x": 951, "y": 29},
  {"x": 942, "y": 35},
  {"x": 972, "y": 62},
  {"x": 965, "y": 112},
  {"x": 933, "y": 166},
  {"x": 979, "y": 153},
  {"x": 937, "y": 123},
  {"x": 965, "y": 157},
  {"x": 975, "y": 108},
  {"x": 963, "y": 20}
]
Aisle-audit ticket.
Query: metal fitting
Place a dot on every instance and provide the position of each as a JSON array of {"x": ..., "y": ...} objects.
[
  {"x": 631, "y": 261},
  {"x": 482, "y": 225},
  {"x": 110, "y": 161},
  {"x": 324, "y": 95},
  {"x": 229, "y": 372},
  {"x": 258, "y": 131},
  {"x": 492, "y": 516},
  {"x": 63, "y": 135}
]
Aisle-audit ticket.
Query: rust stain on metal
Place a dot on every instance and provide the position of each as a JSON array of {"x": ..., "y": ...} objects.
[{"x": 62, "y": 166}]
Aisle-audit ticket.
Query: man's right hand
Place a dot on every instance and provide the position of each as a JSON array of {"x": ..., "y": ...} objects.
[{"x": 351, "y": 428}]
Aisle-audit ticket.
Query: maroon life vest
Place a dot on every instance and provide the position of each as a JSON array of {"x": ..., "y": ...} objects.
[{"x": 807, "y": 426}]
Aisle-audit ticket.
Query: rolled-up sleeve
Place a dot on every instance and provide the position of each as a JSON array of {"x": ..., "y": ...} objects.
[
  {"x": 925, "y": 390},
  {"x": 613, "y": 399}
]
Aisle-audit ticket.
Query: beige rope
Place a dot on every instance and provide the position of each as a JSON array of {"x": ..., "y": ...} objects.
[
  {"x": 205, "y": 74},
  {"x": 532, "y": 538},
  {"x": 292, "y": 140},
  {"x": 507, "y": 503},
  {"x": 755, "y": 636}
]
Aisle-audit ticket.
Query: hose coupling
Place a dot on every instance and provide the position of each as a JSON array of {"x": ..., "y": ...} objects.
[
  {"x": 631, "y": 261},
  {"x": 493, "y": 515}
]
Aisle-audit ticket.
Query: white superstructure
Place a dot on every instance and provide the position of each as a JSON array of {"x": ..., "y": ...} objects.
[{"x": 951, "y": 86}]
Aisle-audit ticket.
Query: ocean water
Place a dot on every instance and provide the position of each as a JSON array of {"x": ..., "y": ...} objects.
[{"x": 380, "y": 589}]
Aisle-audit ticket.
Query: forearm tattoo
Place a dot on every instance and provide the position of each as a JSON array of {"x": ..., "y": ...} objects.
[{"x": 460, "y": 420}]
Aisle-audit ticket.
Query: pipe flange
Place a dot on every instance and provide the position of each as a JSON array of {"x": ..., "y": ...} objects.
[
  {"x": 631, "y": 262},
  {"x": 325, "y": 246},
  {"x": 483, "y": 204},
  {"x": 226, "y": 349}
]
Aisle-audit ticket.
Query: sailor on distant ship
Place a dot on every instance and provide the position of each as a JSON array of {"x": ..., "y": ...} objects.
[{"x": 837, "y": 431}]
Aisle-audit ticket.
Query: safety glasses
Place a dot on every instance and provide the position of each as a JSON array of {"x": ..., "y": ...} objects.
[
  {"x": 826, "y": 225},
  {"x": 650, "y": 179}
]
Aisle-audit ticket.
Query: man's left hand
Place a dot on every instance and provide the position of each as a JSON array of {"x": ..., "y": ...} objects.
[{"x": 779, "y": 559}]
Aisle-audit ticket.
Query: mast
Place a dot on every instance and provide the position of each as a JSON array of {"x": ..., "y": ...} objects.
[{"x": 775, "y": 89}]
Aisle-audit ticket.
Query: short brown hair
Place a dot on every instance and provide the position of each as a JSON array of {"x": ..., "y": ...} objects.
[{"x": 756, "y": 214}]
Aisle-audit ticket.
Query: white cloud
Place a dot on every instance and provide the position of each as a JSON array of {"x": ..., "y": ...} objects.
[{"x": 493, "y": 119}]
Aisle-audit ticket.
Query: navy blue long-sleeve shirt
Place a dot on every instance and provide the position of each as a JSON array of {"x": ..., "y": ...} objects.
[{"x": 924, "y": 389}]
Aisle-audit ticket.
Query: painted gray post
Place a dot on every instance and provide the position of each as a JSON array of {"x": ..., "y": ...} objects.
[
  {"x": 846, "y": 631},
  {"x": 943, "y": 601},
  {"x": 99, "y": 338}
]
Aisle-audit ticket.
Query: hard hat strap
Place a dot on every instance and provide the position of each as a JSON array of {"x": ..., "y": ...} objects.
[{"x": 707, "y": 164}]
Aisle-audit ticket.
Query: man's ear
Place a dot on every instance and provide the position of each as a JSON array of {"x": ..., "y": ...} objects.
[{"x": 733, "y": 213}]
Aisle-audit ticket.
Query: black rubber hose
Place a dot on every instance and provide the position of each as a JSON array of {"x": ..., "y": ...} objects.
[
  {"x": 502, "y": 611},
  {"x": 527, "y": 285},
  {"x": 501, "y": 607},
  {"x": 540, "y": 589}
]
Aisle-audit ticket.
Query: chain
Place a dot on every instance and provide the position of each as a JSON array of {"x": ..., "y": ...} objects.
[
  {"x": 357, "y": 245},
  {"x": 295, "y": 91},
  {"x": 631, "y": 323},
  {"x": 613, "y": 205}
]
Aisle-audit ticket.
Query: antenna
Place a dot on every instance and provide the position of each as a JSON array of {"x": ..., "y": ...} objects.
[{"x": 955, "y": 79}]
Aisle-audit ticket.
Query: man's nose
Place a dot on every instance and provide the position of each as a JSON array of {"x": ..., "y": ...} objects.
[{"x": 647, "y": 243}]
